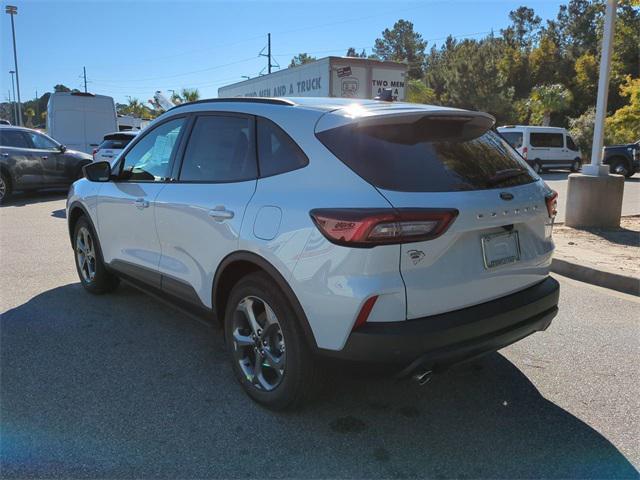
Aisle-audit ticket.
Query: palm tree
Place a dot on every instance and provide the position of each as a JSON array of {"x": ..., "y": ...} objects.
[
  {"x": 29, "y": 113},
  {"x": 547, "y": 99},
  {"x": 135, "y": 108},
  {"x": 190, "y": 95}
]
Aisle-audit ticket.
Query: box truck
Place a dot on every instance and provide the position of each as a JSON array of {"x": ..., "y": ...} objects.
[
  {"x": 80, "y": 120},
  {"x": 347, "y": 77}
]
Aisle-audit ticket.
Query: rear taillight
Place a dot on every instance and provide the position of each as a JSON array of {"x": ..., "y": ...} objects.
[
  {"x": 551, "y": 199},
  {"x": 362, "y": 227},
  {"x": 525, "y": 152}
]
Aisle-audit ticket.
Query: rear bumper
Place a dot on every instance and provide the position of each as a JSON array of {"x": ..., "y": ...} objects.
[{"x": 441, "y": 340}]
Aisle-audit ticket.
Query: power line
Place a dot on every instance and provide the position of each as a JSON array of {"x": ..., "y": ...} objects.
[{"x": 215, "y": 67}]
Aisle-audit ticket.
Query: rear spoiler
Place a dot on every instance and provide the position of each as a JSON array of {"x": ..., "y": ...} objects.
[
  {"x": 398, "y": 114},
  {"x": 475, "y": 123}
]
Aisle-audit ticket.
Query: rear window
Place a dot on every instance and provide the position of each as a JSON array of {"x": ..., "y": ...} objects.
[
  {"x": 514, "y": 138},
  {"x": 277, "y": 152},
  {"x": 546, "y": 140},
  {"x": 14, "y": 138},
  {"x": 115, "y": 144},
  {"x": 429, "y": 155}
]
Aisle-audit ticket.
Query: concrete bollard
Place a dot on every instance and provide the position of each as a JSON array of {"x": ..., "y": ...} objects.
[{"x": 594, "y": 201}]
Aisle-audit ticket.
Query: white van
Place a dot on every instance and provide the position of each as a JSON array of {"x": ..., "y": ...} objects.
[
  {"x": 80, "y": 120},
  {"x": 543, "y": 147}
]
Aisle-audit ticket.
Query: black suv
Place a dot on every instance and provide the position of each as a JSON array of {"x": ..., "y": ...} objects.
[
  {"x": 623, "y": 159},
  {"x": 30, "y": 160}
]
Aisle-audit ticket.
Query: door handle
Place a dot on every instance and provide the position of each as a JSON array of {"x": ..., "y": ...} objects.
[
  {"x": 44, "y": 157},
  {"x": 141, "y": 203},
  {"x": 220, "y": 214},
  {"x": 5, "y": 155}
]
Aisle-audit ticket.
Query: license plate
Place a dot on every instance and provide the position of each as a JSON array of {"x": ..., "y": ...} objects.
[{"x": 500, "y": 249}]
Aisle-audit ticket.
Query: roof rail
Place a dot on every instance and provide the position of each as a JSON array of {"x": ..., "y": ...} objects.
[{"x": 271, "y": 101}]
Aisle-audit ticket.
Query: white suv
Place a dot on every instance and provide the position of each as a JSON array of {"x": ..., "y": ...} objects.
[{"x": 364, "y": 231}]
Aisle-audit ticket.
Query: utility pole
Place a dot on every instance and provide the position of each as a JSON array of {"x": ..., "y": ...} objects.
[
  {"x": 84, "y": 74},
  {"x": 268, "y": 54},
  {"x": 13, "y": 10},
  {"x": 268, "y": 49},
  {"x": 15, "y": 107}
]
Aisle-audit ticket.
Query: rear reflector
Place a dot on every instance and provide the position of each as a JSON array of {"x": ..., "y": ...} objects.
[
  {"x": 365, "y": 311},
  {"x": 551, "y": 200},
  {"x": 362, "y": 227}
]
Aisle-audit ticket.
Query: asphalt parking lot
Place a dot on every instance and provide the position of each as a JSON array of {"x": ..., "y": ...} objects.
[{"x": 121, "y": 386}]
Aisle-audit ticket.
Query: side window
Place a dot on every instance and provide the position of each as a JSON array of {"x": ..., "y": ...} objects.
[
  {"x": 546, "y": 140},
  {"x": 150, "y": 159},
  {"x": 219, "y": 150},
  {"x": 41, "y": 142},
  {"x": 14, "y": 139},
  {"x": 571, "y": 144},
  {"x": 514, "y": 138},
  {"x": 277, "y": 152}
]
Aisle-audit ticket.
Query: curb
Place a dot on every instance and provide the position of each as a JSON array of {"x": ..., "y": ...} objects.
[{"x": 614, "y": 281}]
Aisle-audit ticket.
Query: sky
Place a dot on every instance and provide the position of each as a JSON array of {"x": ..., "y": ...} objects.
[{"x": 133, "y": 48}]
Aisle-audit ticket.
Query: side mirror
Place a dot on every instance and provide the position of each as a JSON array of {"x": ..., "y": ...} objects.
[
  {"x": 62, "y": 148},
  {"x": 97, "y": 171}
]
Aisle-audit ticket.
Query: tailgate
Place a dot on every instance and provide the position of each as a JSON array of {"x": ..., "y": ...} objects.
[{"x": 461, "y": 268}]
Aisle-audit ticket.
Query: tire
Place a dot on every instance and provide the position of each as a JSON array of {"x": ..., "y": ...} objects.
[
  {"x": 277, "y": 378},
  {"x": 575, "y": 166},
  {"x": 93, "y": 274},
  {"x": 5, "y": 187},
  {"x": 620, "y": 166}
]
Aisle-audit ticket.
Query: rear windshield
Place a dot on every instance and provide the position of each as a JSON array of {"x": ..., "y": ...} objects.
[
  {"x": 429, "y": 155},
  {"x": 118, "y": 143}
]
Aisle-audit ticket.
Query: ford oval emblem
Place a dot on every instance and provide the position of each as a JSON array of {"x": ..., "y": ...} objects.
[{"x": 506, "y": 196}]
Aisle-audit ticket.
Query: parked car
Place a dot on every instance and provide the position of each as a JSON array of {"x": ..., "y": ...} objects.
[
  {"x": 365, "y": 231},
  {"x": 4, "y": 122},
  {"x": 623, "y": 159},
  {"x": 544, "y": 147},
  {"x": 30, "y": 160},
  {"x": 80, "y": 120},
  {"x": 112, "y": 145}
]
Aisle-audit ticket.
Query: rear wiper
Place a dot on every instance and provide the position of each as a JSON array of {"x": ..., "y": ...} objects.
[{"x": 503, "y": 175}]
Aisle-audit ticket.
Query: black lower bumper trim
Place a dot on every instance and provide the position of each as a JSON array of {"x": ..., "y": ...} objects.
[{"x": 441, "y": 340}]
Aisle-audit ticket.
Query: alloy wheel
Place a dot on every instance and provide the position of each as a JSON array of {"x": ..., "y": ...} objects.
[
  {"x": 258, "y": 343},
  {"x": 86, "y": 254},
  {"x": 620, "y": 169}
]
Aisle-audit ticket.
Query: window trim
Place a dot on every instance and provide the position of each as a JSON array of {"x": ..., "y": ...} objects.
[
  {"x": 123, "y": 156},
  {"x": 306, "y": 157},
  {"x": 183, "y": 147}
]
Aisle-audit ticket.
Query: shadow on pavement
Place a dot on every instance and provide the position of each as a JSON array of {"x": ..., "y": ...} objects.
[
  {"x": 621, "y": 236},
  {"x": 60, "y": 213},
  {"x": 121, "y": 386},
  {"x": 21, "y": 199}
]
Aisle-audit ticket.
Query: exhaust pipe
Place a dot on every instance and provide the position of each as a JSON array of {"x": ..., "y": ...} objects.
[{"x": 423, "y": 377}]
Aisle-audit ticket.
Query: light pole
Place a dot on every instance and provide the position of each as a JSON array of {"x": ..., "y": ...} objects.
[
  {"x": 15, "y": 106},
  {"x": 13, "y": 10},
  {"x": 594, "y": 198}
]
